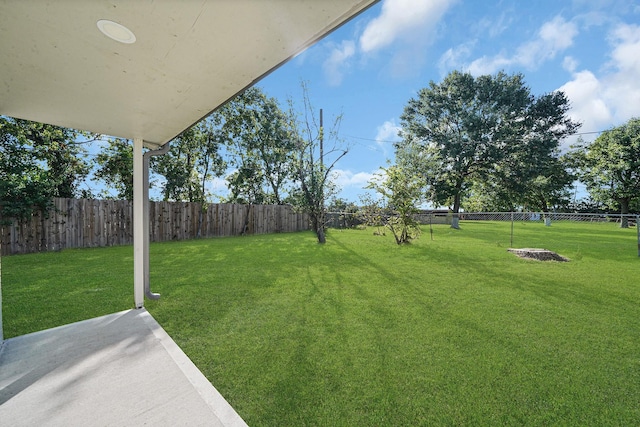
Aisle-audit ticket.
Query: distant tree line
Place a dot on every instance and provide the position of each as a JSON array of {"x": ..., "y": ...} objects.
[
  {"x": 488, "y": 144},
  {"x": 267, "y": 155},
  {"x": 475, "y": 143},
  {"x": 38, "y": 162}
]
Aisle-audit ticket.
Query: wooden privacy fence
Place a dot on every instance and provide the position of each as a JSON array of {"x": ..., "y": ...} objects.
[{"x": 84, "y": 223}]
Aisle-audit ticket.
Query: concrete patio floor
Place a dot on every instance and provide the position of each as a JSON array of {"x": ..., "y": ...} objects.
[{"x": 122, "y": 369}]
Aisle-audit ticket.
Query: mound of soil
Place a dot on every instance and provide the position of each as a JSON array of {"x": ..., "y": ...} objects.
[{"x": 538, "y": 254}]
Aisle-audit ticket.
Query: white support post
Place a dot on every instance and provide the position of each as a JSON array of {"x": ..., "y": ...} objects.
[
  {"x": 145, "y": 226},
  {"x": 138, "y": 223}
]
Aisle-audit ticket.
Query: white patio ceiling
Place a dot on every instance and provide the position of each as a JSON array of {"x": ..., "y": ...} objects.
[{"x": 189, "y": 58}]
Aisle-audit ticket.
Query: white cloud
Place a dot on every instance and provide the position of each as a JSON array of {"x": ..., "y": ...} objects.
[
  {"x": 218, "y": 186},
  {"x": 556, "y": 35},
  {"x": 497, "y": 27},
  {"x": 488, "y": 65},
  {"x": 405, "y": 28},
  {"x": 570, "y": 64},
  {"x": 453, "y": 57},
  {"x": 347, "y": 178},
  {"x": 587, "y": 100},
  {"x": 386, "y": 133},
  {"x": 399, "y": 20},
  {"x": 410, "y": 22},
  {"x": 611, "y": 98},
  {"x": 334, "y": 67},
  {"x": 553, "y": 37},
  {"x": 622, "y": 87},
  {"x": 627, "y": 41}
]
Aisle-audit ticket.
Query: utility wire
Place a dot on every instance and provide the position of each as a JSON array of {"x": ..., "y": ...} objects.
[
  {"x": 352, "y": 137},
  {"x": 393, "y": 142}
]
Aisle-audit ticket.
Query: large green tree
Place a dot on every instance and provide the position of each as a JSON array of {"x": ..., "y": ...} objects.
[
  {"x": 192, "y": 161},
  {"x": 38, "y": 162},
  {"x": 534, "y": 175},
  {"x": 115, "y": 167},
  {"x": 610, "y": 166},
  {"x": 537, "y": 186},
  {"x": 259, "y": 148},
  {"x": 467, "y": 129}
]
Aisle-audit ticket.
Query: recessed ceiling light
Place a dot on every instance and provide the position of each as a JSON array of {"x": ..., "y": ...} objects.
[{"x": 116, "y": 31}]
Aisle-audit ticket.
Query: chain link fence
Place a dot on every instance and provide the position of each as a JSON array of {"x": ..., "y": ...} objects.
[
  {"x": 342, "y": 220},
  {"x": 353, "y": 219},
  {"x": 547, "y": 217}
]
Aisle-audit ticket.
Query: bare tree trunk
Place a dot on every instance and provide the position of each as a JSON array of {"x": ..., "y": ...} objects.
[
  {"x": 624, "y": 210},
  {"x": 321, "y": 237},
  {"x": 546, "y": 216},
  {"x": 245, "y": 227},
  {"x": 545, "y": 211},
  {"x": 455, "y": 220},
  {"x": 318, "y": 227}
]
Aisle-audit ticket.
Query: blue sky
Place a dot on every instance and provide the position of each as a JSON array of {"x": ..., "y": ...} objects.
[{"x": 368, "y": 69}]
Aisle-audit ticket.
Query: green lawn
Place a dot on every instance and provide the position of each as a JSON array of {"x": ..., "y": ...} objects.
[{"x": 450, "y": 331}]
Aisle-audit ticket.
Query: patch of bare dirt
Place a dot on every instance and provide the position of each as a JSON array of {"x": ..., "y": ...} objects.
[{"x": 538, "y": 254}]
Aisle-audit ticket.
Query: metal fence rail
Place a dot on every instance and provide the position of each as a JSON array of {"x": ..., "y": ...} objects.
[
  {"x": 352, "y": 219},
  {"x": 542, "y": 216},
  {"x": 548, "y": 218}
]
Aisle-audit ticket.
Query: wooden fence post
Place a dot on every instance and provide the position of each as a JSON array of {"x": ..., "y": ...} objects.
[{"x": 77, "y": 223}]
